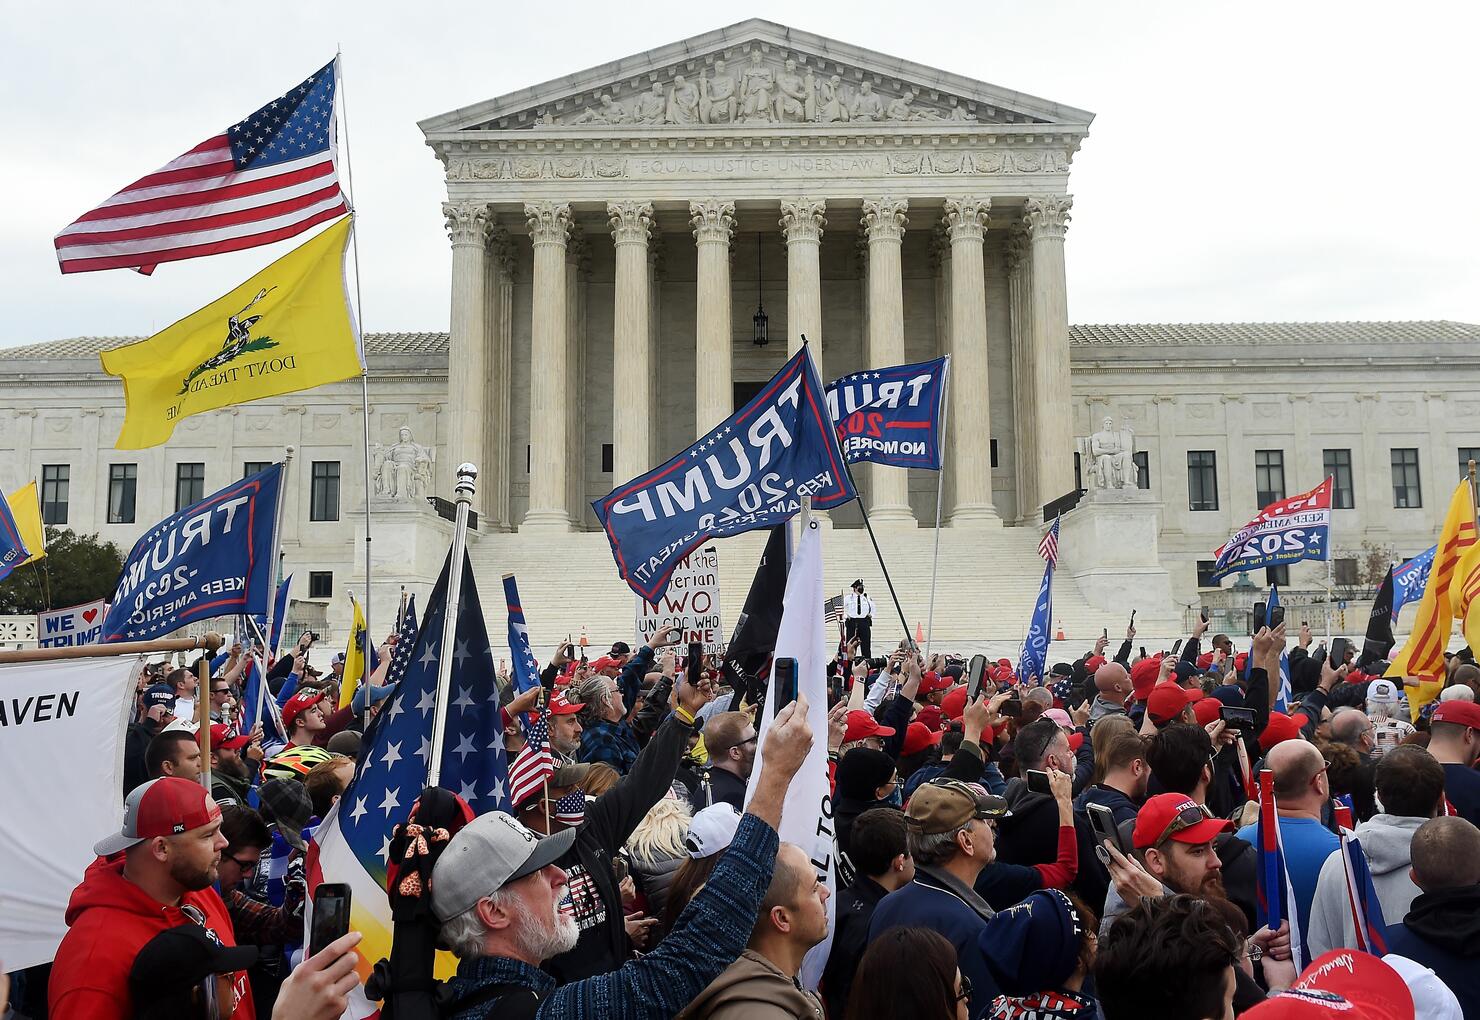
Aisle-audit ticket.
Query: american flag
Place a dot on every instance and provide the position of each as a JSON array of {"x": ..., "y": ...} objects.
[
  {"x": 267, "y": 177},
  {"x": 526, "y": 670},
  {"x": 534, "y": 765},
  {"x": 1048, "y": 548},
  {"x": 832, "y": 609},
  {"x": 405, "y": 643}
]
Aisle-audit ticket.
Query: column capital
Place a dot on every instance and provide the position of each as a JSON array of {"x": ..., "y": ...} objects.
[
  {"x": 549, "y": 222},
  {"x": 468, "y": 223},
  {"x": 884, "y": 219},
  {"x": 502, "y": 251},
  {"x": 631, "y": 222},
  {"x": 1015, "y": 252},
  {"x": 802, "y": 219},
  {"x": 713, "y": 220},
  {"x": 1048, "y": 215},
  {"x": 966, "y": 218}
]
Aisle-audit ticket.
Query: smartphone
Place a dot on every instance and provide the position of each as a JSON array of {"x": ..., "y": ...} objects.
[
  {"x": 1276, "y": 617},
  {"x": 1203, "y": 613},
  {"x": 784, "y": 681},
  {"x": 1338, "y": 652},
  {"x": 330, "y": 915},
  {"x": 1133, "y": 617},
  {"x": 974, "y": 674},
  {"x": 1105, "y": 633},
  {"x": 1102, "y": 822},
  {"x": 1038, "y": 782},
  {"x": 1259, "y": 611},
  {"x": 1237, "y": 718},
  {"x": 696, "y": 663},
  {"x": 1175, "y": 645},
  {"x": 1012, "y": 708}
]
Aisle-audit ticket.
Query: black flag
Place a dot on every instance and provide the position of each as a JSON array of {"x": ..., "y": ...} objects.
[
  {"x": 1380, "y": 638},
  {"x": 754, "y": 638}
]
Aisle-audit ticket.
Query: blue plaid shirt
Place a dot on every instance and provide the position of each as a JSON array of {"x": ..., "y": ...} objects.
[
  {"x": 709, "y": 935},
  {"x": 610, "y": 742}
]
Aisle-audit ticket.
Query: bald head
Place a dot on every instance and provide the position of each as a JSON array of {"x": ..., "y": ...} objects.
[
  {"x": 1348, "y": 724},
  {"x": 1112, "y": 679},
  {"x": 1446, "y": 854},
  {"x": 1296, "y": 764}
]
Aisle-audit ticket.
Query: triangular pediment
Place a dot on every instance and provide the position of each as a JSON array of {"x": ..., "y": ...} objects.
[{"x": 756, "y": 74}]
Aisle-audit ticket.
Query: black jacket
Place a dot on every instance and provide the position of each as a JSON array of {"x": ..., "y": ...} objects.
[
  {"x": 610, "y": 821},
  {"x": 135, "y": 746},
  {"x": 1442, "y": 932},
  {"x": 1030, "y": 835},
  {"x": 726, "y": 787},
  {"x": 855, "y": 909}
]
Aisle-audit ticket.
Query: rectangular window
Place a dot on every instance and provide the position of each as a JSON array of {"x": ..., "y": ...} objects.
[
  {"x": 1078, "y": 476},
  {"x": 1202, "y": 480},
  {"x": 1344, "y": 570},
  {"x": 1205, "y": 570},
  {"x": 1277, "y": 575},
  {"x": 1407, "y": 493},
  {"x": 1269, "y": 476},
  {"x": 994, "y": 453},
  {"x": 608, "y": 455},
  {"x": 321, "y": 584},
  {"x": 1338, "y": 464},
  {"x": 1467, "y": 454},
  {"x": 123, "y": 485},
  {"x": 324, "y": 494},
  {"x": 56, "y": 479},
  {"x": 190, "y": 485},
  {"x": 528, "y": 457},
  {"x": 252, "y": 467},
  {"x": 1143, "y": 469}
]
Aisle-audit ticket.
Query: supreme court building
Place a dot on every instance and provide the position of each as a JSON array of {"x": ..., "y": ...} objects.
[{"x": 637, "y": 247}]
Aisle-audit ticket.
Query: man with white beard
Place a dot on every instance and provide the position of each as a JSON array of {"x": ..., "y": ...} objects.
[{"x": 504, "y": 907}]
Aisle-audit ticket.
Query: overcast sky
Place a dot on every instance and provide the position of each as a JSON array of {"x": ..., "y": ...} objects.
[{"x": 1249, "y": 162}]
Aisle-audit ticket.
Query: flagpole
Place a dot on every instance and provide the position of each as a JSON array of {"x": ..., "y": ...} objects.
[
  {"x": 273, "y": 570},
  {"x": 940, "y": 490},
  {"x": 467, "y": 477}
]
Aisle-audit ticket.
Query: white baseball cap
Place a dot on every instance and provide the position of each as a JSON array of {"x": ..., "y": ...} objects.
[
  {"x": 1382, "y": 692},
  {"x": 487, "y": 854},
  {"x": 1432, "y": 998},
  {"x": 711, "y": 830}
]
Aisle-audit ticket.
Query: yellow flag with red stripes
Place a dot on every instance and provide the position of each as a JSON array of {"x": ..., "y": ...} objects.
[
  {"x": 1420, "y": 665},
  {"x": 1465, "y": 595}
]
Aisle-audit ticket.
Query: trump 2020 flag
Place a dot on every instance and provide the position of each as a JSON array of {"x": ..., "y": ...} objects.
[
  {"x": 806, "y": 816},
  {"x": 1410, "y": 578},
  {"x": 1035, "y": 644},
  {"x": 75, "y": 703},
  {"x": 1275, "y": 900},
  {"x": 13, "y": 551},
  {"x": 211, "y": 559},
  {"x": 352, "y": 843},
  {"x": 891, "y": 415},
  {"x": 1288, "y": 530},
  {"x": 750, "y": 472},
  {"x": 526, "y": 670}
]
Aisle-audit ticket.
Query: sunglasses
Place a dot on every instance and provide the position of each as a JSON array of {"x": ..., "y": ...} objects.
[
  {"x": 1192, "y": 814},
  {"x": 965, "y": 992}
]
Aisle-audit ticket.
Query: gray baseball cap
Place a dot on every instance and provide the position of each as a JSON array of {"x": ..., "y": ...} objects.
[{"x": 487, "y": 854}]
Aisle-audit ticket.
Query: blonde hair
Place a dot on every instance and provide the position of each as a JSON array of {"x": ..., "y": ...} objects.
[
  {"x": 660, "y": 834},
  {"x": 600, "y": 778}
]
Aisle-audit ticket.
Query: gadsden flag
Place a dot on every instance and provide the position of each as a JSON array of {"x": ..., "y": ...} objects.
[{"x": 287, "y": 328}]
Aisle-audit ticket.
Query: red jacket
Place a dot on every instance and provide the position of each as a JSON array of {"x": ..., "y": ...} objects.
[{"x": 109, "y": 919}]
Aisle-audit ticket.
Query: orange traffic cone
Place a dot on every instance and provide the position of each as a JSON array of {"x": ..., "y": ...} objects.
[
  {"x": 919, "y": 633},
  {"x": 1059, "y": 634}
]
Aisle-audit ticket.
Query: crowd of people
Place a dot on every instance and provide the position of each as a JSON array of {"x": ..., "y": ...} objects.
[{"x": 1083, "y": 844}]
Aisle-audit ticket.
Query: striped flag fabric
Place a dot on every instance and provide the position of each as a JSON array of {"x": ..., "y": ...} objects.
[
  {"x": 406, "y": 636},
  {"x": 534, "y": 765},
  {"x": 832, "y": 610},
  {"x": 526, "y": 670},
  {"x": 1048, "y": 548},
  {"x": 1275, "y": 896},
  {"x": 1361, "y": 893},
  {"x": 268, "y": 177}
]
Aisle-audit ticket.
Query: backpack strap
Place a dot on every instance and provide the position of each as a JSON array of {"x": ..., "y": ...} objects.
[{"x": 507, "y": 1002}]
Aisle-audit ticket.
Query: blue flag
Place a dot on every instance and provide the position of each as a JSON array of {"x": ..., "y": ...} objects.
[
  {"x": 526, "y": 671},
  {"x": 891, "y": 415},
  {"x": 211, "y": 559},
  {"x": 748, "y": 473},
  {"x": 1411, "y": 578},
  {"x": 1035, "y": 644},
  {"x": 1286, "y": 531},
  {"x": 273, "y": 732},
  {"x": 279, "y": 613},
  {"x": 13, "y": 550}
]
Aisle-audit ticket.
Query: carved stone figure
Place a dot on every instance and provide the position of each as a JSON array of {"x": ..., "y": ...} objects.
[
  {"x": 403, "y": 470},
  {"x": 899, "y": 109},
  {"x": 867, "y": 105},
  {"x": 757, "y": 89},
  {"x": 958, "y": 112},
  {"x": 683, "y": 101},
  {"x": 651, "y": 106},
  {"x": 717, "y": 98},
  {"x": 831, "y": 106},
  {"x": 793, "y": 97},
  {"x": 609, "y": 111},
  {"x": 1111, "y": 456}
]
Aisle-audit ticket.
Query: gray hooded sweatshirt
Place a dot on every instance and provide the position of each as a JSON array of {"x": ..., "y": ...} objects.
[{"x": 1385, "y": 840}]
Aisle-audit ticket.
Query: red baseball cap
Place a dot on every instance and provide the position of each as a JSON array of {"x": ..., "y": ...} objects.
[
  {"x": 1465, "y": 713},
  {"x": 1207, "y": 711},
  {"x": 221, "y": 738},
  {"x": 605, "y": 662},
  {"x": 560, "y": 704},
  {"x": 1280, "y": 728},
  {"x": 299, "y": 703},
  {"x": 1175, "y": 816},
  {"x": 166, "y": 806},
  {"x": 861, "y": 725},
  {"x": 1166, "y": 702},
  {"x": 1093, "y": 663},
  {"x": 1143, "y": 676},
  {"x": 931, "y": 682},
  {"x": 954, "y": 703},
  {"x": 1343, "y": 983},
  {"x": 918, "y": 737}
]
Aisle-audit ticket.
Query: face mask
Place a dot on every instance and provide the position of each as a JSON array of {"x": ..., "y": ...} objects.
[{"x": 896, "y": 797}]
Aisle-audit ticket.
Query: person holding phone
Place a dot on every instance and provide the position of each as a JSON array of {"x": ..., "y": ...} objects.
[{"x": 858, "y": 618}]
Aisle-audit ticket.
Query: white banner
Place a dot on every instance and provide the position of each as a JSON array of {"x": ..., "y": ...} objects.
[
  {"x": 806, "y": 817},
  {"x": 62, "y": 725},
  {"x": 75, "y": 625},
  {"x": 691, "y": 602}
]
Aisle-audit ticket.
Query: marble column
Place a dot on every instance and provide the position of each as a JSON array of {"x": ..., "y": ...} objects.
[
  {"x": 1048, "y": 219},
  {"x": 883, "y": 224},
  {"x": 577, "y": 274},
  {"x": 714, "y": 395},
  {"x": 1019, "y": 286},
  {"x": 493, "y": 473},
  {"x": 655, "y": 272},
  {"x": 468, "y": 226},
  {"x": 970, "y": 433},
  {"x": 549, "y": 229},
  {"x": 632, "y": 350},
  {"x": 802, "y": 221},
  {"x": 940, "y": 247}
]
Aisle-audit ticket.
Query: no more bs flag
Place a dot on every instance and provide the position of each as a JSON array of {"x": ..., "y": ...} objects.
[
  {"x": 749, "y": 472},
  {"x": 211, "y": 559},
  {"x": 287, "y": 328}
]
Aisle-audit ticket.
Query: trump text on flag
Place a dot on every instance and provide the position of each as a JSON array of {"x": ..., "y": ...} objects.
[
  {"x": 1288, "y": 530},
  {"x": 691, "y": 604},
  {"x": 890, "y": 415}
]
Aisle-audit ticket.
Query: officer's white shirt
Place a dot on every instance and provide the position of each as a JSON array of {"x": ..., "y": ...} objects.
[{"x": 857, "y": 606}]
